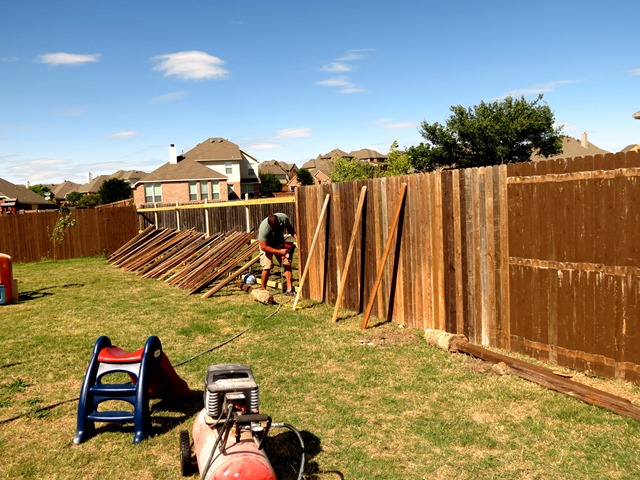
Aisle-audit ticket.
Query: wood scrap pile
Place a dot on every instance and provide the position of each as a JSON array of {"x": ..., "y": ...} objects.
[{"x": 188, "y": 260}]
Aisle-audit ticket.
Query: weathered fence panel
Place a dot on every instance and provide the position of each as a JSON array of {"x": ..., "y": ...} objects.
[
  {"x": 27, "y": 237},
  {"x": 541, "y": 258}
]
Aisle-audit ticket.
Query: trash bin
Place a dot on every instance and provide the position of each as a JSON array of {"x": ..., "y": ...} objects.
[{"x": 6, "y": 278}]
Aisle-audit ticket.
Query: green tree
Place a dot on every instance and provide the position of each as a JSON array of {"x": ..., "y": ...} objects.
[
  {"x": 349, "y": 169},
  {"x": 90, "y": 200},
  {"x": 494, "y": 133},
  {"x": 114, "y": 190},
  {"x": 42, "y": 190},
  {"x": 305, "y": 177},
  {"x": 269, "y": 183},
  {"x": 64, "y": 223},
  {"x": 398, "y": 161},
  {"x": 74, "y": 198}
]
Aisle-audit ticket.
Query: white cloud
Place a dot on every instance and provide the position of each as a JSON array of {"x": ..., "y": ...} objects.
[
  {"x": 294, "y": 133},
  {"x": 399, "y": 125},
  {"x": 635, "y": 72},
  {"x": 535, "y": 90},
  {"x": 122, "y": 135},
  {"x": 344, "y": 85},
  {"x": 62, "y": 58},
  {"x": 357, "y": 54},
  {"x": 170, "y": 97},
  {"x": 191, "y": 65},
  {"x": 336, "y": 67},
  {"x": 265, "y": 146}
]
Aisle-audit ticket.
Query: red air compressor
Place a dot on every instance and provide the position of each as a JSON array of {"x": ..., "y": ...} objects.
[{"x": 229, "y": 433}]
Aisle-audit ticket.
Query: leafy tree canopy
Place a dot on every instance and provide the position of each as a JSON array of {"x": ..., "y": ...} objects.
[
  {"x": 398, "y": 161},
  {"x": 41, "y": 190},
  {"x": 505, "y": 131},
  {"x": 90, "y": 200},
  {"x": 305, "y": 177},
  {"x": 349, "y": 169},
  {"x": 114, "y": 190},
  {"x": 269, "y": 183},
  {"x": 74, "y": 197}
]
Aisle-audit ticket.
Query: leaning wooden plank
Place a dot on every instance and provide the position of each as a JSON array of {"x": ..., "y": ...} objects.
[
  {"x": 143, "y": 249},
  {"x": 385, "y": 255},
  {"x": 352, "y": 242},
  {"x": 153, "y": 251},
  {"x": 185, "y": 241},
  {"x": 228, "y": 280},
  {"x": 155, "y": 254},
  {"x": 313, "y": 244},
  {"x": 160, "y": 270},
  {"x": 194, "y": 259},
  {"x": 224, "y": 268},
  {"x": 131, "y": 242},
  {"x": 137, "y": 246}
]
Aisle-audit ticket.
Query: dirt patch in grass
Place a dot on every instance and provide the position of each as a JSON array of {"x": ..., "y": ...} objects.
[{"x": 388, "y": 335}]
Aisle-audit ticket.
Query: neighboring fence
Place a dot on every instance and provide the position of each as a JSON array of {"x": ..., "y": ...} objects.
[
  {"x": 540, "y": 258},
  {"x": 210, "y": 218},
  {"x": 27, "y": 237}
]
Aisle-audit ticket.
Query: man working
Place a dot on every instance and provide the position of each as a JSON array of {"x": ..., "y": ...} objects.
[{"x": 272, "y": 239}]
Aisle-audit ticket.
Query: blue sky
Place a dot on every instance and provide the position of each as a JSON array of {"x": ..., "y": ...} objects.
[{"x": 98, "y": 86}]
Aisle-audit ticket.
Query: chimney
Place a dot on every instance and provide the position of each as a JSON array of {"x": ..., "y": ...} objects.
[
  {"x": 89, "y": 178},
  {"x": 583, "y": 140},
  {"x": 173, "y": 156}
]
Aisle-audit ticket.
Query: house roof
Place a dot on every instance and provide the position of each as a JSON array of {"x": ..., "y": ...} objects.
[
  {"x": 368, "y": 154},
  {"x": 60, "y": 190},
  {"x": 634, "y": 147},
  {"x": 572, "y": 147},
  {"x": 186, "y": 170},
  {"x": 214, "y": 149},
  {"x": 21, "y": 193},
  {"x": 336, "y": 152},
  {"x": 273, "y": 166},
  {"x": 94, "y": 185},
  {"x": 319, "y": 164}
]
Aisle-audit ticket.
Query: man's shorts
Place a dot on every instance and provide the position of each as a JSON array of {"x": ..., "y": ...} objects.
[{"x": 266, "y": 260}]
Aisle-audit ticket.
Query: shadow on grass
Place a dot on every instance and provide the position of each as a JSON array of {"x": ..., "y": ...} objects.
[
  {"x": 185, "y": 407},
  {"x": 284, "y": 453},
  {"x": 43, "y": 292}
]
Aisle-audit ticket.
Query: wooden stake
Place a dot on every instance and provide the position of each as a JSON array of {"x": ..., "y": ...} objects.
[
  {"x": 313, "y": 244},
  {"x": 347, "y": 262},
  {"x": 385, "y": 255}
]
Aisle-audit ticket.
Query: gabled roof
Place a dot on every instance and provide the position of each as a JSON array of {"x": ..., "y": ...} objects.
[
  {"x": 60, "y": 190},
  {"x": 131, "y": 175},
  {"x": 319, "y": 164},
  {"x": 634, "y": 147},
  {"x": 336, "y": 152},
  {"x": 368, "y": 154},
  {"x": 572, "y": 147},
  {"x": 273, "y": 166},
  {"x": 214, "y": 149},
  {"x": 186, "y": 170},
  {"x": 20, "y": 193},
  {"x": 94, "y": 185}
]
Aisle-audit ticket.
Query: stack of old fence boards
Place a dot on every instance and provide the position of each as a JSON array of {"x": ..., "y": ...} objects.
[{"x": 188, "y": 260}]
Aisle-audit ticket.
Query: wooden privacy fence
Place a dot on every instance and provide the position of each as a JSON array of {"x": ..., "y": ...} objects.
[
  {"x": 27, "y": 237},
  {"x": 540, "y": 258},
  {"x": 243, "y": 216}
]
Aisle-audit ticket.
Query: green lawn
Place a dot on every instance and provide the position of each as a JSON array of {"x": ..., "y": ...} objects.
[{"x": 379, "y": 404}]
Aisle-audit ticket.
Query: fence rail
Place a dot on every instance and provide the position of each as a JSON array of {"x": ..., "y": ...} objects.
[{"x": 540, "y": 258}]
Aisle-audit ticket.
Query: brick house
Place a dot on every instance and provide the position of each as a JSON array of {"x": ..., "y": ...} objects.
[{"x": 215, "y": 170}]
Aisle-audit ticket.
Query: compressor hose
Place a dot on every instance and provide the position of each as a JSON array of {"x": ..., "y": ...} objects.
[{"x": 297, "y": 434}]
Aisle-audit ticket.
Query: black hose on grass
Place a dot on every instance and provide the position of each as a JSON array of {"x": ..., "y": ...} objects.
[{"x": 221, "y": 344}]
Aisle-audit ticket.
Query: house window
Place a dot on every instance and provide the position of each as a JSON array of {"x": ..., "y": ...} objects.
[
  {"x": 248, "y": 188},
  {"x": 228, "y": 168},
  {"x": 193, "y": 191},
  {"x": 153, "y": 192},
  {"x": 204, "y": 190},
  {"x": 215, "y": 190}
]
